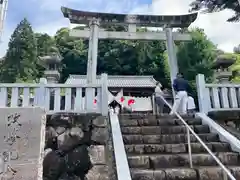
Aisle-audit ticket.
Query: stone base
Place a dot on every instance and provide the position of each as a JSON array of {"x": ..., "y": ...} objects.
[{"x": 76, "y": 145}]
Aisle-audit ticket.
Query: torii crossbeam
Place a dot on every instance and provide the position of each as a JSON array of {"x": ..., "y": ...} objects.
[{"x": 95, "y": 20}]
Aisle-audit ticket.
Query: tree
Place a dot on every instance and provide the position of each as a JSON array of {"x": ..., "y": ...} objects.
[
  {"x": 196, "y": 56},
  {"x": 236, "y": 66},
  {"x": 115, "y": 57},
  {"x": 44, "y": 44},
  {"x": 21, "y": 57},
  {"x": 218, "y": 5},
  {"x": 74, "y": 54}
]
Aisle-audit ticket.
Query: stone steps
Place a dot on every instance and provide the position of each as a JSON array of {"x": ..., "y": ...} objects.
[
  {"x": 175, "y": 148},
  {"x": 176, "y": 160},
  {"x": 157, "y": 122},
  {"x": 196, "y": 173},
  {"x": 167, "y": 138},
  {"x": 150, "y": 130},
  {"x": 157, "y": 149}
]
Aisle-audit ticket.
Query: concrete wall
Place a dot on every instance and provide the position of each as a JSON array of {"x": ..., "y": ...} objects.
[
  {"x": 77, "y": 148},
  {"x": 22, "y": 132}
]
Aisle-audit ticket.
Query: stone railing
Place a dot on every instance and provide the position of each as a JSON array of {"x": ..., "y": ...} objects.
[
  {"x": 217, "y": 97},
  {"x": 57, "y": 97}
]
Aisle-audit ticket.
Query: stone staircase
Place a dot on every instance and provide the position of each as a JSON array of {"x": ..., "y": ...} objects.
[{"x": 157, "y": 149}]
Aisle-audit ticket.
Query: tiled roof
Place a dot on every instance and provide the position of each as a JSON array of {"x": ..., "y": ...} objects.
[{"x": 117, "y": 81}]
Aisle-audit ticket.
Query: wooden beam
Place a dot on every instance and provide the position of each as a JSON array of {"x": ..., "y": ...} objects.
[{"x": 130, "y": 35}]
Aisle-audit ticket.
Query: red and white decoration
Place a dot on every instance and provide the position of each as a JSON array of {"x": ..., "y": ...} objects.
[
  {"x": 135, "y": 103},
  {"x": 130, "y": 102}
]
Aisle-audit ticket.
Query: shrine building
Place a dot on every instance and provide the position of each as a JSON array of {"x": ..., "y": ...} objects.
[{"x": 124, "y": 89}]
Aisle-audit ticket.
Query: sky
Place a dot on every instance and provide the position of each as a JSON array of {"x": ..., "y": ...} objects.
[{"x": 45, "y": 16}]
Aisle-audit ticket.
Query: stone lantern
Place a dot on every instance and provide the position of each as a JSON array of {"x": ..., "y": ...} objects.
[
  {"x": 222, "y": 72},
  {"x": 52, "y": 63}
]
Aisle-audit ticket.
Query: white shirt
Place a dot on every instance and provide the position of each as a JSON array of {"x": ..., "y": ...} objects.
[{"x": 158, "y": 91}]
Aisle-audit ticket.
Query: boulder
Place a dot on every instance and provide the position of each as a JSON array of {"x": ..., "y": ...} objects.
[{"x": 99, "y": 136}]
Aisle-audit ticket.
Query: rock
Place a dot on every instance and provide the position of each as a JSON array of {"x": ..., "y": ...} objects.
[
  {"x": 66, "y": 176},
  {"x": 231, "y": 124},
  {"x": 78, "y": 161},
  {"x": 76, "y": 132},
  {"x": 73, "y": 159},
  {"x": 50, "y": 137},
  {"x": 100, "y": 121},
  {"x": 99, "y": 136},
  {"x": 69, "y": 139},
  {"x": 97, "y": 155},
  {"x": 59, "y": 130},
  {"x": 60, "y": 120},
  {"x": 47, "y": 151},
  {"x": 98, "y": 172},
  {"x": 53, "y": 166}
]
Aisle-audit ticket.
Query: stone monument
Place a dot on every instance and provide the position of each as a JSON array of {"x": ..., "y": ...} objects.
[{"x": 22, "y": 132}]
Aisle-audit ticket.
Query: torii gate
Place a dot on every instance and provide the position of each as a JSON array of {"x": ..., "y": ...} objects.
[{"x": 94, "y": 21}]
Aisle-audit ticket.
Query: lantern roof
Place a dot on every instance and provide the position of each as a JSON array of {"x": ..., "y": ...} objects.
[
  {"x": 52, "y": 58},
  {"x": 224, "y": 61},
  {"x": 84, "y": 17},
  {"x": 117, "y": 81}
]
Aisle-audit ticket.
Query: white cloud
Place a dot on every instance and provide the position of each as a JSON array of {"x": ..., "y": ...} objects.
[
  {"x": 225, "y": 35},
  {"x": 218, "y": 30}
]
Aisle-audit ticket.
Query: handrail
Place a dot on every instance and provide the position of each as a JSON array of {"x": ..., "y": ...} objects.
[
  {"x": 122, "y": 167},
  {"x": 189, "y": 129}
]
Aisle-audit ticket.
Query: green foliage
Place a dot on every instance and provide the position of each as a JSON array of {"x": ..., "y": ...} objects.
[
  {"x": 236, "y": 69},
  {"x": 74, "y": 54},
  {"x": 21, "y": 58},
  {"x": 115, "y": 57}
]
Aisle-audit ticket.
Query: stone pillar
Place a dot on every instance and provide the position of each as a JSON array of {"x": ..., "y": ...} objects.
[
  {"x": 92, "y": 63},
  {"x": 172, "y": 58},
  {"x": 92, "y": 52}
]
